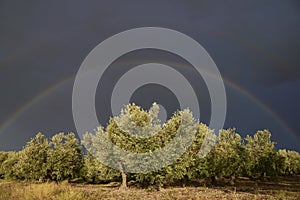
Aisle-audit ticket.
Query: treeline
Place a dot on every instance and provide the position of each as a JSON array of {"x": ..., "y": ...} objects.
[{"x": 63, "y": 157}]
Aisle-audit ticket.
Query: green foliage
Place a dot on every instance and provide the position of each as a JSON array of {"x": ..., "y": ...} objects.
[
  {"x": 32, "y": 162},
  {"x": 182, "y": 123},
  {"x": 261, "y": 154},
  {"x": 40, "y": 159},
  {"x": 130, "y": 130},
  {"x": 140, "y": 131},
  {"x": 228, "y": 155},
  {"x": 198, "y": 165},
  {"x": 3, "y": 157},
  {"x": 9, "y": 165},
  {"x": 290, "y": 162},
  {"x": 95, "y": 171},
  {"x": 64, "y": 157}
]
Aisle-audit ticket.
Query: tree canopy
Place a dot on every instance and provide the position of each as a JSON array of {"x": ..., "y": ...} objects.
[{"x": 64, "y": 157}]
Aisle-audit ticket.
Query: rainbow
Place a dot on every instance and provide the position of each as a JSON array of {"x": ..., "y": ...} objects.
[{"x": 40, "y": 96}]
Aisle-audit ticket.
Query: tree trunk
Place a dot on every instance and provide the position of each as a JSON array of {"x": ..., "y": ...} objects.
[
  {"x": 213, "y": 180},
  {"x": 124, "y": 179},
  {"x": 232, "y": 179}
]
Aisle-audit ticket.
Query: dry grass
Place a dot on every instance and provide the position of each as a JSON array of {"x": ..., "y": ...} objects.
[
  {"x": 282, "y": 188},
  {"x": 35, "y": 191}
]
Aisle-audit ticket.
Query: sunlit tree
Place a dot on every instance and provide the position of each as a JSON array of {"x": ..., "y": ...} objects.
[
  {"x": 261, "y": 154},
  {"x": 228, "y": 156},
  {"x": 33, "y": 158},
  {"x": 65, "y": 157}
]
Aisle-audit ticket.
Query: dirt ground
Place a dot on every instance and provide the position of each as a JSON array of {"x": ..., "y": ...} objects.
[{"x": 279, "y": 188}]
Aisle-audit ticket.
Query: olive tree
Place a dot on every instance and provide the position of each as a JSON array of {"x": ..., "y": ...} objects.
[
  {"x": 3, "y": 157},
  {"x": 291, "y": 162},
  {"x": 65, "y": 157},
  {"x": 125, "y": 132},
  {"x": 181, "y": 125},
  {"x": 228, "y": 155},
  {"x": 261, "y": 154},
  {"x": 9, "y": 166},
  {"x": 32, "y": 162},
  {"x": 140, "y": 131}
]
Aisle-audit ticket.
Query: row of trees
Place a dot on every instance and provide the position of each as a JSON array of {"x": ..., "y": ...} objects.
[
  {"x": 59, "y": 159},
  {"x": 63, "y": 157}
]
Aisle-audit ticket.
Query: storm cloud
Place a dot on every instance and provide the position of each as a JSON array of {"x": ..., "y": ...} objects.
[{"x": 255, "y": 45}]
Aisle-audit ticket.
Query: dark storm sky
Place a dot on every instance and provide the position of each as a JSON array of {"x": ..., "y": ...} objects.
[{"x": 255, "y": 45}]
